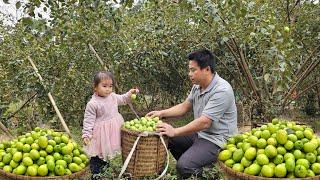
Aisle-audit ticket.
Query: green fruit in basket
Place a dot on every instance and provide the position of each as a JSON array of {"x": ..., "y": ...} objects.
[
  {"x": 7, "y": 158},
  {"x": 34, "y": 154},
  {"x": 311, "y": 157},
  {"x": 267, "y": 171},
  {"x": 68, "y": 172},
  {"x": 288, "y": 155},
  {"x": 289, "y": 145},
  {"x": 20, "y": 170},
  {"x": 26, "y": 148},
  {"x": 310, "y": 173},
  {"x": 272, "y": 141},
  {"x": 51, "y": 165},
  {"x": 265, "y": 134},
  {"x": 261, "y": 143},
  {"x": 281, "y": 150},
  {"x": 303, "y": 162},
  {"x": 27, "y": 161},
  {"x": 280, "y": 170},
  {"x": 32, "y": 171},
  {"x": 245, "y": 146},
  {"x": 282, "y": 136},
  {"x": 78, "y": 161},
  {"x": 278, "y": 159},
  {"x": 253, "y": 140},
  {"x": 245, "y": 162},
  {"x": 275, "y": 121},
  {"x": 13, "y": 164},
  {"x": 29, "y": 140},
  {"x": 254, "y": 169},
  {"x": 17, "y": 157},
  {"x": 299, "y": 134},
  {"x": 41, "y": 161},
  {"x": 65, "y": 139},
  {"x": 43, "y": 153},
  {"x": 223, "y": 155},
  {"x": 262, "y": 159},
  {"x": 74, "y": 167},
  {"x": 300, "y": 171},
  {"x": 7, "y": 168},
  {"x": 298, "y": 145},
  {"x": 59, "y": 170},
  {"x": 310, "y": 146},
  {"x": 260, "y": 151},
  {"x": 271, "y": 151},
  {"x": 290, "y": 164},
  {"x": 43, "y": 142},
  {"x": 19, "y": 146},
  {"x": 238, "y": 167},
  {"x": 237, "y": 155},
  {"x": 35, "y": 146},
  {"x": 292, "y": 137},
  {"x": 316, "y": 168},
  {"x": 308, "y": 134},
  {"x": 305, "y": 140},
  {"x": 229, "y": 162},
  {"x": 43, "y": 170}
]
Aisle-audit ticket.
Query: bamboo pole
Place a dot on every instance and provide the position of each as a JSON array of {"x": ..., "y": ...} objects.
[
  {"x": 98, "y": 57},
  {"x": 51, "y": 99},
  {"x": 4, "y": 129},
  {"x": 102, "y": 63}
]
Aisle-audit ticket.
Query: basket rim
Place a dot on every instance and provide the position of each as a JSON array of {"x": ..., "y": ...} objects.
[
  {"x": 226, "y": 168},
  {"x": 73, "y": 175},
  {"x": 136, "y": 133}
]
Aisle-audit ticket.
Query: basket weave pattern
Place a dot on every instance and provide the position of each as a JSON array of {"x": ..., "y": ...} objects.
[
  {"x": 232, "y": 174},
  {"x": 149, "y": 156}
]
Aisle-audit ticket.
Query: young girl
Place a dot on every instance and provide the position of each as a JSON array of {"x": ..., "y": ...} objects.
[{"x": 102, "y": 121}]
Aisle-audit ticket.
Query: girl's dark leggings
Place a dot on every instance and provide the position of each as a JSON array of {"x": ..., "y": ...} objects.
[{"x": 96, "y": 165}]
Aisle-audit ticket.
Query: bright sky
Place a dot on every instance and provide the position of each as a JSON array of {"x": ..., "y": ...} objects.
[{"x": 10, "y": 15}]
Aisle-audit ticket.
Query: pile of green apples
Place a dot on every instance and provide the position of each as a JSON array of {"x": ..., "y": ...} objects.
[
  {"x": 42, "y": 152},
  {"x": 281, "y": 149},
  {"x": 143, "y": 124}
]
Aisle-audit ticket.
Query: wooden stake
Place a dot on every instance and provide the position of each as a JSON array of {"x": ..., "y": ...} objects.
[
  {"x": 4, "y": 129},
  {"x": 102, "y": 63},
  {"x": 51, "y": 99}
]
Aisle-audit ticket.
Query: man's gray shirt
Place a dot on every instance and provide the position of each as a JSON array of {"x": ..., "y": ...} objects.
[{"x": 216, "y": 102}]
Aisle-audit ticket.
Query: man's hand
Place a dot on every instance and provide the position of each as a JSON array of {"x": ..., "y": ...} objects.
[
  {"x": 153, "y": 114},
  {"x": 165, "y": 129}
]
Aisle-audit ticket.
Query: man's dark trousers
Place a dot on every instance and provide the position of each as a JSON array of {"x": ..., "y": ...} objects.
[{"x": 192, "y": 154}]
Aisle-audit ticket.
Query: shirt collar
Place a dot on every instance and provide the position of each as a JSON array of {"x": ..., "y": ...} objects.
[{"x": 211, "y": 85}]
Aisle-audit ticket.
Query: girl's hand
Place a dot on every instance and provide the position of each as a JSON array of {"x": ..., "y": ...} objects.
[
  {"x": 134, "y": 91},
  {"x": 86, "y": 141}
]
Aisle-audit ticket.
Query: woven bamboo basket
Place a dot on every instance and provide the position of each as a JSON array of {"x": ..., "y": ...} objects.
[
  {"x": 78, "y": 175},
  {"x": 149, "y": 156},
  {"x": 231, "y": 174}
]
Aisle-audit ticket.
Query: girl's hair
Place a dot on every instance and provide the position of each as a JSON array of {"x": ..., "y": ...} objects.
[{"x": 102, "y": 75}]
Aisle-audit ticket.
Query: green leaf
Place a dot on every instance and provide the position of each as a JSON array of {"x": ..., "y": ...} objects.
[{"x": 18, "y": 4}]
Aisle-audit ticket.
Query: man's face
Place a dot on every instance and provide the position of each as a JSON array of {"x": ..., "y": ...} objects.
[{"x": 196, "y": 74}]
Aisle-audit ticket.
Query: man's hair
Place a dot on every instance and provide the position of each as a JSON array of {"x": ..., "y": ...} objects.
[{"x": 204, "y": 58}]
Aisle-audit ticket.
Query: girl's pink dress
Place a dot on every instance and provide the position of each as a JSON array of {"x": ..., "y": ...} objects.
[{"x": 102, "y": 123}]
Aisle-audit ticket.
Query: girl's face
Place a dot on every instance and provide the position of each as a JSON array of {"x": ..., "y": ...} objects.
[{"x": 104, "y": 88}]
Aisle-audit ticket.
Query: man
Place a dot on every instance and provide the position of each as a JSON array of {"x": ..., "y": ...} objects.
[{"x": 197, "y": 144}]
